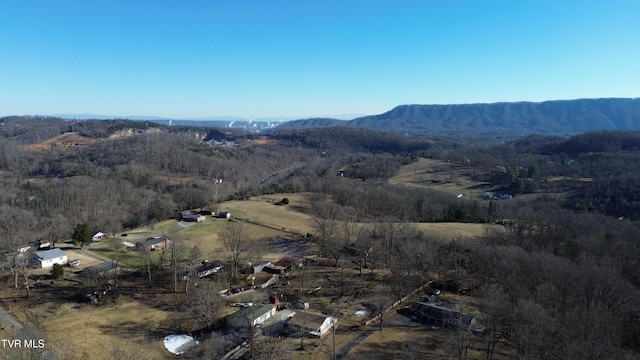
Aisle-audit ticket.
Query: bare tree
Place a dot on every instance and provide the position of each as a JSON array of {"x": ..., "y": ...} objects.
[
  {"x": 24, "y": 268},
  {"x": 330, "y": 230},
  {"x": 457, "y": 344},
  {"x": 205, "y": 303},
  {"x": 147, "y": 258},
  {"x": 364, "y": 246},
  {"x": 536, "y": 335},
  {"x": 58, "y": 228},
  {"x": 177, "y": 252},
  {"x": 384, "y": 300},
  {"x": 498, "y": 309},
  {"x": 236, "y": 244},
  {"x": 15, "y": 229},
  {"x": 194, "y": 254}
]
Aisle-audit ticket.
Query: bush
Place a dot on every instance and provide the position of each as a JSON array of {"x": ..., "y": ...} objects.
[
  {"x": 284, "y": 201},
  {"x": 57, "y": 271}
]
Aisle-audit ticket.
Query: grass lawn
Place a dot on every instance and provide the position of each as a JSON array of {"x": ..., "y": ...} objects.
[
  {"x": 85, "y": 331},
  {"x": 440, "y": 175},
  {"x": 453, "y": 230},
  {"x": 262, "y": 209}
]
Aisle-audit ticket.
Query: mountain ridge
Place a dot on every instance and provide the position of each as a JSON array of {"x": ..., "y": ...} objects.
[{"x": 554, "y": 117}]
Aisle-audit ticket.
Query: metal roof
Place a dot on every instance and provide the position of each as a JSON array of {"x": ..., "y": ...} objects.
[{"x": 50, "y": 254}]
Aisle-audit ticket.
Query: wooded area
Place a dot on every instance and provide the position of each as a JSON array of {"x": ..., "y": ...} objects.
[{"x": 560, "y": 283}]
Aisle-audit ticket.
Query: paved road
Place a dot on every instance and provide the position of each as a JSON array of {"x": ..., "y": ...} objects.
[{"x": 21, "y": 333}]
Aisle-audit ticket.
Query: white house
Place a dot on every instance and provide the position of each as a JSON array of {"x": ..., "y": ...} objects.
[
  {"x": 45, "y": 259},
  {"x": 99, "y": 236},
  {"x": 313, "y": 323}
]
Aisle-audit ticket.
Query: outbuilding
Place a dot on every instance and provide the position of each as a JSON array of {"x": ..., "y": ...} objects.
[{"x": 224, "y": 215}]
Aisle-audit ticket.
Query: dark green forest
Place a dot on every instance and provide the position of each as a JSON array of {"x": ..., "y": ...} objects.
[{"x": 560, "y": 283}]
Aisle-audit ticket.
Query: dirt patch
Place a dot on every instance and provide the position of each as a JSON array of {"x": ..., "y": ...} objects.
[{"x": 64, "y": 141}]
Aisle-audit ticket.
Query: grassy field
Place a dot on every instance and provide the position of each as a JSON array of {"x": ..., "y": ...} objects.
[
  {"x": 440, "y": 175},
  {"x": 262, "y": 209},
  {"x": 87, "y": 331},
  {"x": 453, "y": 230}
]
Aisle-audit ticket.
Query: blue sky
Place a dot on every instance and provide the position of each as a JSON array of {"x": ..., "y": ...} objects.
[{"x": 193, "y": 59}]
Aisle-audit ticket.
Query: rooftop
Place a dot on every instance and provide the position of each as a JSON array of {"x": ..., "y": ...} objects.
[{"x": 50, "y": 254}]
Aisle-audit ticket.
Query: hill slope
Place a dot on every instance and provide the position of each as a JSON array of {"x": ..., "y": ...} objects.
[{"x": 561, "y": 117}]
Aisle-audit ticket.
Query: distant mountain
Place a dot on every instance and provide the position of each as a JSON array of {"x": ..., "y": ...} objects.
[{"x": 560, "y": 117}]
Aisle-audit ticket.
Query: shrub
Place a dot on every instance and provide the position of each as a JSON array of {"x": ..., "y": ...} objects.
[{"x": 57, "y": 271}]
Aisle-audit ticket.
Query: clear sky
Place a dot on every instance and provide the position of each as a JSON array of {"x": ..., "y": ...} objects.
[{"x": 303, "y": 58}]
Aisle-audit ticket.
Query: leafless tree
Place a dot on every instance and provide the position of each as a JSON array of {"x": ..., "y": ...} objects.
[
  {"x": 192, "y": 262},
  {"x": 145, "y": 253},
  {"x": 178, "y": 249},
  {"x": 58, "y": 228},
  {"x": 536, "y": 335},
  {"x": 324, "y": 219},
  {"x": 236, "y": 243},
  {"x": 205, "y": 303},
  {"x": 383, "y": 300},
  {"x": 24, "y": 268},
  {"x": 15, "y": 228},
  {"x": 457, "y": 344},
  {"x": 497, "y": 308}
]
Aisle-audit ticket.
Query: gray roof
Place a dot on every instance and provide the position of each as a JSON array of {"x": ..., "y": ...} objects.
[
  {"x": 100, "y": 268},
  {"x": 50, "y": 254},
  {"x": 156, "y": 240}
]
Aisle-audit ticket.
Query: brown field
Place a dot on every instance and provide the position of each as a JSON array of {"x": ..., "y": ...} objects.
[
  {"x": 567, "y": 178},
  {"x": 440, "y": 175},
  {"x": 64, "y": 141},
  {"x": 453, "y": 230}
]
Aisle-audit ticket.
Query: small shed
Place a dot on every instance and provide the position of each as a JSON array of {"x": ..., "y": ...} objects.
[
  {"x": 46, "y": 259},
  {"x": 224, "y": 215}
]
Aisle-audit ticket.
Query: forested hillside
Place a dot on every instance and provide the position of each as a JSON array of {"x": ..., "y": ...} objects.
[
  {"x": 561, "y": 117},
  {"x": 560, "y": 282}
]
